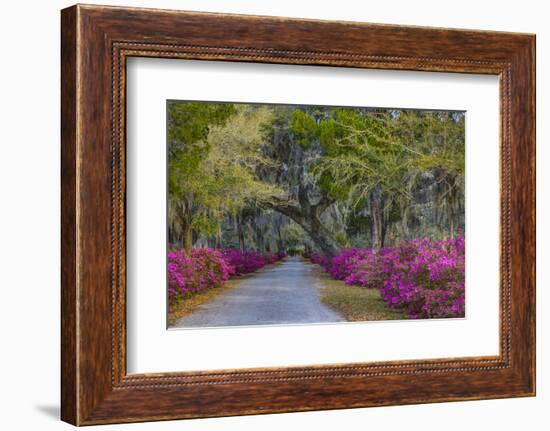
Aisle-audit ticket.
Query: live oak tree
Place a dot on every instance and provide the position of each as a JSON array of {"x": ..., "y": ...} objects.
[
  {"x": 379, "y": 158},
  {"x": 356, "y": 163},
  {"x": 188, "y": 127},
  {"x": 303, "y": 201},
  {"x": 444, "y": 159},
  {"x": 212, "y": 165}
]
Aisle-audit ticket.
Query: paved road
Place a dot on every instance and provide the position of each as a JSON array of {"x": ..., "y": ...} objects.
[{"x": 280, "y": 294}]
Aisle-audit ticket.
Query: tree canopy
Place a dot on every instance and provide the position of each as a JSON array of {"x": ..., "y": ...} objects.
[{"x": 280, "y": 176}]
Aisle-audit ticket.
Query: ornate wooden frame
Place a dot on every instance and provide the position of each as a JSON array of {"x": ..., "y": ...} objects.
[{"x": 95, "y": 43}]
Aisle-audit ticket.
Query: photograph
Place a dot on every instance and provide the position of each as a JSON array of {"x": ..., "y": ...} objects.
[
  {"x": 300, "y": 214},
  {"x": 272, "y": 215}
]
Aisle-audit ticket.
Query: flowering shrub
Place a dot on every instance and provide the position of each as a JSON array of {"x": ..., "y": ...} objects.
[
  {"x": 318, "y": 258},
  {"x": 281, "y": 255},
  {"x": 347, "y": 262},
  {"x": 206, "y": 268},
  {"x": 244, "y": 262},
  {"x": 203, "y": 268},
  {"x": 423, "y": 278}
]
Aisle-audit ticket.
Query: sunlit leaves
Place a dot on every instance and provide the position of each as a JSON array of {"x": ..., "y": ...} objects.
[
  {"x": 215, "y": 151},
  {"x": 189, "y": 122},
  {"x": 387, "y": 150}
]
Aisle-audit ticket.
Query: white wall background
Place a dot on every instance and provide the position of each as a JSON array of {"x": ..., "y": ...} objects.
[{"x": 29, "y": 215}]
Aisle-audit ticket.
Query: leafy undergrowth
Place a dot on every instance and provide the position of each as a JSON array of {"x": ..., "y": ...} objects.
[{"x": 356, "y": 305}]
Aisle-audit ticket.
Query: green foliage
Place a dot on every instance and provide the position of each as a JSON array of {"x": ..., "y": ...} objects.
[
  {"x": 188, "y": 127},
  {"x": 189, "y": 122},
  {"x": 215, "y": 175},
  {"x": 205, "y": 224},
  {"x": 390, "y": 152},
  {"x": 293, "y": 235},
  {"x": 304, "y": 128},
  {"x": 358, "y": 154},
  {"x": 342, "y": 239},
  {"x": 227, "y": 159}
]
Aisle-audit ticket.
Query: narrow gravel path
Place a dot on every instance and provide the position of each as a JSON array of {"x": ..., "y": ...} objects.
[{"x": 281, "y": 294}]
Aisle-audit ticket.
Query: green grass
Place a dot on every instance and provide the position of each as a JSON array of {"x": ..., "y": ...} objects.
[{"x": 355, "y": 303}]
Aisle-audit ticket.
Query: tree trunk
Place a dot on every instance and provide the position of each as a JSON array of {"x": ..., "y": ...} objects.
[
  {"x": 308, "y": 217},
  {"x": 240, "y": 231},
  {"x": 185, "y": 213},
  {"x": 452, "y": 228},
  {"x": 259, "y": 237},
  {"x": 319, "y": 235},
  {"x": 311, "y": 224},
  {"x": 219, "y": 236},
  {"x": 378, "y": 225},
  {"x": 187, "y": 237},
  {"x": 280, "y": 242}
]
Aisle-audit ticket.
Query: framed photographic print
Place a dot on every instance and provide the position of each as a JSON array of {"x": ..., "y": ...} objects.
[{"x": 265, "y": 215}]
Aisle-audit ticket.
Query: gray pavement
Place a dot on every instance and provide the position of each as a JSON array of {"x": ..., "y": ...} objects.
[{"x": 284, "y": 293}]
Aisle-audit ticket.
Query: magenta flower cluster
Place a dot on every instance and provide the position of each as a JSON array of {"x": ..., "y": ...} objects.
[
  {"x": 423, "y": 278},
  {"x": 244, "y": 262},
  {"x": 205, "y": 268},
  {"x": 200, "y": 269}
]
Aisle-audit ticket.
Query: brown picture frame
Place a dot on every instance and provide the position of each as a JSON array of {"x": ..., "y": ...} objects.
[{"x": 95, "y": 43}]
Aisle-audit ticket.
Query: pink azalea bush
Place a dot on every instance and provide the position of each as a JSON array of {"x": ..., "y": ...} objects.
[
  {"x": 201, "y": 269},
  {"x": 205, "y": 268},
  {"x": 244, "y": 262},
  {"x": 318, "y": 258},
  {"x": 281, "y": 255},
  {"x": 423, "y": 278}
]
